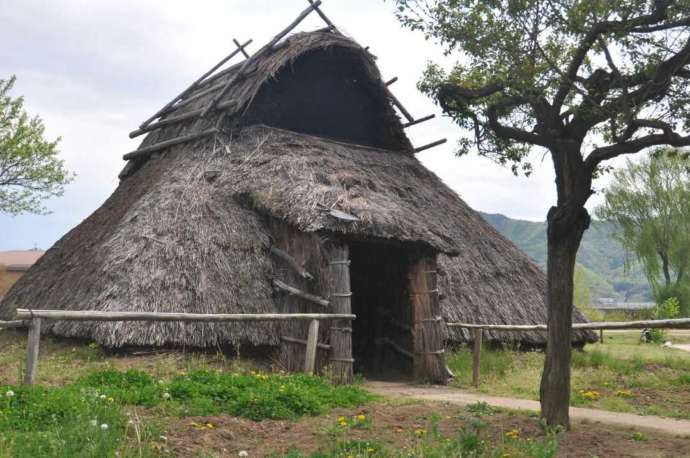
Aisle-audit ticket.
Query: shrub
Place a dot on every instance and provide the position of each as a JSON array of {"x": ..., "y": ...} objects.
[
  {"x": 668, "y": 309},
  {"x": 260, "y": 396}
]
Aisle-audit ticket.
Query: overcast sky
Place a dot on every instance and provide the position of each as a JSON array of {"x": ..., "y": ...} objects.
[{"x": 93, "y": 70}]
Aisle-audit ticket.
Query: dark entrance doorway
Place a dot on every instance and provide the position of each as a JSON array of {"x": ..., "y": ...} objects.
[{"x": 382, "y": 337}]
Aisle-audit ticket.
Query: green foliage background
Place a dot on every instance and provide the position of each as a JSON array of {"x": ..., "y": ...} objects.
[{"x": 601, "y": 257}]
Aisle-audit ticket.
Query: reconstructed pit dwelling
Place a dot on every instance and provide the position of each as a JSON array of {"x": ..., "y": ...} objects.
[{"x": 299, "y": 176}]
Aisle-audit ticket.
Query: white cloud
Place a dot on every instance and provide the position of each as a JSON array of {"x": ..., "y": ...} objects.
[{"x": 95, "y": 70}]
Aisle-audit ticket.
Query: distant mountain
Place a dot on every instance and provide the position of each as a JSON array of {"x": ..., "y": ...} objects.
[{"x": 602, "y": 256}]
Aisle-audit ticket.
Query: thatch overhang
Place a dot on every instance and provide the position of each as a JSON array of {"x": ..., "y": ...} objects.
[{"x": 183, "y": 234}]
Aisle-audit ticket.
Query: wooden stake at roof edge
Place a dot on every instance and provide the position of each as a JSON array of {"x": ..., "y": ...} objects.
[
  {"x": 322, "y": 15},
  {"x": 268, "y": 46},
  {"x": 194, "y": 84},
  {"x": 241, "y": 48}
]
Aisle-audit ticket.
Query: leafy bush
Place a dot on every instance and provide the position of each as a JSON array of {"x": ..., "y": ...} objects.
[
  {"x": 259, "y": 396},
  {"x": 667, "y": 310},
  {"x": 130, "y": 387}
]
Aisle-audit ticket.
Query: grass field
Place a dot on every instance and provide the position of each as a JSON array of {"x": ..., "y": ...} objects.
[
  {"x": 94, "y": 404},
  {"x": 621, "y": 375}
]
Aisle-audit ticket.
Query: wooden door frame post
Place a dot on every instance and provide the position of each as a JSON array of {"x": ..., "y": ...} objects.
[
  {"x": 341, "y": 302},
  {"x": 427, "y": 334}
]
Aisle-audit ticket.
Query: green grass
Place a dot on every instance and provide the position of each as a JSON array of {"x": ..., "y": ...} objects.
[
  {"x": 620, "y": 375},
  {"x": 88, "y": 418}
]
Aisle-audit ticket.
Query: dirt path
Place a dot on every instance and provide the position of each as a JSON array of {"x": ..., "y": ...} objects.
[
  {"x": 684, "y": 347},
  {"x": 459, "y": 397}
]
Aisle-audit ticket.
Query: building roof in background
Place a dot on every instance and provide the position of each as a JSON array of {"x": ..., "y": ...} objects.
[{"x": 19, "y": 260}]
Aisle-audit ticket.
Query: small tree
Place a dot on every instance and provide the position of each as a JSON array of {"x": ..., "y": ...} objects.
[
  {"x": 30, "y": 170},
  {"x": 583, "y": 81},
  {"x": 650, "y": 203}
]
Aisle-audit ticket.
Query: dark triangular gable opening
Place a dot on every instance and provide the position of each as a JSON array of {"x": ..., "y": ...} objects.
[{"x": 329, "y": 93}]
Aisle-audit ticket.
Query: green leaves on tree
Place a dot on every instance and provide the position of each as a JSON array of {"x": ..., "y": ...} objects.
[
  {"x": 650, "y": 202},
  {"x": 30, "y": 170}
]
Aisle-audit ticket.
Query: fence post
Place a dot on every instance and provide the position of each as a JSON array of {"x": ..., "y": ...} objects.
[
  {"x": 33, "y": 343},
  {"x": 476, "y": 356},
  {"x": 601, "y": 335},
  {"x": 310, "y": 353}
]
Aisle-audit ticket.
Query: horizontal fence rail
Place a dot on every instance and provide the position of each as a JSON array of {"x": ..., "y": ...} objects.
[
  {"x": 14, "y": 324},
  {"x": 677, "y": 323},
  {"x": 33, "y": 320},
  {"x": 477, "y": 330}
]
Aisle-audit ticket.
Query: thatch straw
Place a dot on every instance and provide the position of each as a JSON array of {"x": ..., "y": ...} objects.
[{"x": 190, "y": 229}]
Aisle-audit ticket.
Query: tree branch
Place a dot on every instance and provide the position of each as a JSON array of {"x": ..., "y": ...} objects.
[
  {"x": 634, "y": 146},
  {"x": 658, "y": 14},
  {"x": 512, "y": 133}
]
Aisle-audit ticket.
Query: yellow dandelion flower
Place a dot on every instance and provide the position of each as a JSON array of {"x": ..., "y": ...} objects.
[
  {"x": 361, "y": 417},
  {"x": 513, "y": 433},
  {"x": 210, "y": 425}
]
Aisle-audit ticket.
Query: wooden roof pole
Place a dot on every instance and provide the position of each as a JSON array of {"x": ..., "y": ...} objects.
[
  {"x": 269, "y": 45},
  {"x": 419, "y": 121},
  {"x": 323, "y": 16},
  {"x": 194, "y": 84},
  {"x": 430, "y": 145},
  {"x": 241, "y": 48}
]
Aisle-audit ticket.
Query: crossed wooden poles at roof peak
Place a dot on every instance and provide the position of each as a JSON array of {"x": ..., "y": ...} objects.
[{"x": 216, "y": 103}]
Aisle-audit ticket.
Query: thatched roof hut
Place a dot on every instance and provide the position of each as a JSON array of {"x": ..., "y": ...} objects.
[{"x": 303, "y": 155}]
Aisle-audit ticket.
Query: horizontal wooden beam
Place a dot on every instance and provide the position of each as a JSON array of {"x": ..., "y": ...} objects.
[
  {"x": 419, "y": 121},
  {"x": 194, "y": 84},
  {"x": 14, "y": 324},
  {"x": 165, "y": 122},
  {"x": 172, "y": 120},
  {"x": 292, "y": 262},
  {"x": 322, "y": 346},
  {"x": 299, "y": 293},
  {"x": 148, "y": 150},
  {"x": 430, "y": 145},
  {"x": 678, "y": 323},
  {"x": 93, "y": 315}
]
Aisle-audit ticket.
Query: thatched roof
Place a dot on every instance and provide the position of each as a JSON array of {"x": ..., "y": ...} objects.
[{"x": 186, "y": 229}]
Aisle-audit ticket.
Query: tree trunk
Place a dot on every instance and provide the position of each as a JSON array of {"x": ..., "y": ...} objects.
[
  {"x": 565, "y": 229},
  {"x": 665, "y": 268}
]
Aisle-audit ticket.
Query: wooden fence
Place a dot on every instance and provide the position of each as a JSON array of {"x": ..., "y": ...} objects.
[
  {"x": 33, "y": 319},
  {"x": 477, "y": 331}
]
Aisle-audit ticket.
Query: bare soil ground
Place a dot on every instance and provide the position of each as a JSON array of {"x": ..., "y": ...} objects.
[{"x": 395, "y": 426}]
